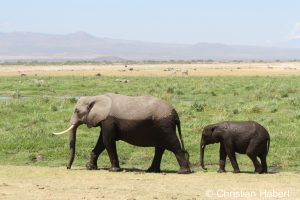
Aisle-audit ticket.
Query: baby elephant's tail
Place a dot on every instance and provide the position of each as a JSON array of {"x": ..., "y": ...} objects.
[{"x": 268, "y": 140}]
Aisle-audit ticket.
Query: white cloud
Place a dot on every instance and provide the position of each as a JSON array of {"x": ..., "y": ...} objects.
[{"x": 295, "y": 32}]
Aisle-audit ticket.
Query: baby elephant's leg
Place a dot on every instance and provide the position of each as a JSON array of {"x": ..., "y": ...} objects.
[
  {"x": 263, "y": 160},
  {"x": 222, "y": 161},
  {"x": 231, "y": 154},
  {"x": 252, "y": 153}
]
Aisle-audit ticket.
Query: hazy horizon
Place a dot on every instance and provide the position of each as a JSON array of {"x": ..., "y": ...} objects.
[
  {"x": 83, "y": 46},
  {"x": 255, "y": 23}
]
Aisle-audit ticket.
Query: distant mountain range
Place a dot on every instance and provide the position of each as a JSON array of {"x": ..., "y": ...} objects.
[{"x": 83, "y": 46}]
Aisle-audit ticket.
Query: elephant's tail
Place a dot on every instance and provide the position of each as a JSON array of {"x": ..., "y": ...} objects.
[
  {"x": 181, "y": 140},
  {"x": 179, "y": 133},
  {"x": 268, "y": 140}
]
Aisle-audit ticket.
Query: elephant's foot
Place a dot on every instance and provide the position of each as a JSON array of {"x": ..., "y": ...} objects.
[
  {"x": 184, "y": 171},
  {"x": 153, "y": 170},
  {"x": 221, "y": 171},
  {"x": 115, "y": 169},
  {"x": 236, "y": 171},
  {"x": 91, "y": 166},
  {"x": 259, "y": 170}
]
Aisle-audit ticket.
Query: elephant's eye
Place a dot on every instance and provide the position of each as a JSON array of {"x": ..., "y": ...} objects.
[{"x": 76, "y": 111}]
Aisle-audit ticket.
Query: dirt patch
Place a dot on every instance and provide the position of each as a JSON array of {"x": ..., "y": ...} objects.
[
  {"x": 202, "y": 69},
  {"x": 58, "y": 183}
]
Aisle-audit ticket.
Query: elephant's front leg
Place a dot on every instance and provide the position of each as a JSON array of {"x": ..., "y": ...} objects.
[
  {"x": 231, "y": 154},
  {"x": 113, "y": 156},
  {"x": 223, "y": 156},
  {"x": 95, "y": 153},
  {"x": 109, "y": 139}
]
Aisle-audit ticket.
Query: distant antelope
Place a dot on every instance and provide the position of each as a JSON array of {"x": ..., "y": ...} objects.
[{"x": 185, "y": 72}]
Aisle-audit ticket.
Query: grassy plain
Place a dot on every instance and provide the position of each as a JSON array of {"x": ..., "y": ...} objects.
[{"x": 43, "y": 104}]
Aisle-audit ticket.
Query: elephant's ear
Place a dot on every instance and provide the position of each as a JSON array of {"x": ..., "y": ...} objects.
[
  {"x": 99, "y": 110},
  {"x": 217, "y": 130},
  {"x": 210, "y": 129},
  {"x": 213, "y": 128}
]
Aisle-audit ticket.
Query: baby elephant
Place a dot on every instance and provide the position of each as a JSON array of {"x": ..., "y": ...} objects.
[{"x": 246, "y": 137}]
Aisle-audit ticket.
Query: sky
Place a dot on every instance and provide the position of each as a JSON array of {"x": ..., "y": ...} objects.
[{"x": 252, "y": 22}]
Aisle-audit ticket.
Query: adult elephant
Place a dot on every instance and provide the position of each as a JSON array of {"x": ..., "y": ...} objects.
[
  {"x": 142, "y": 120},
  {"x": 245, "y": 137}
]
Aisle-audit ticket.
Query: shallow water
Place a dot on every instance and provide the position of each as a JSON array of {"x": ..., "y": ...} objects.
[
  {"x": 23, "y": 97},
  {"x": 5, "y": 97}
]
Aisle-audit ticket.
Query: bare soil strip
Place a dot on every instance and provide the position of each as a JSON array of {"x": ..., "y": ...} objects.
[
  {"x": 20, "y": 182},
  {"x": 211, "y": 69}
]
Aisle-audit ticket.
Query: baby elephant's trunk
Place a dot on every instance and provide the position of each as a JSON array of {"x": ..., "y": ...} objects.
[{"x": 202, "y": 147}]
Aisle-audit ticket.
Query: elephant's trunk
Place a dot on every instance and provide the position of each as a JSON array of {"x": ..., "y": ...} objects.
[
  {"x": 202, "y": 147},
  {"x": 72, "y": 141}
]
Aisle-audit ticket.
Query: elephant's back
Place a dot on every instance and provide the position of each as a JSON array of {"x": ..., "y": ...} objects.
[
  {"x": 139, "y": 107},
  {"x": 262, "y": 131}
]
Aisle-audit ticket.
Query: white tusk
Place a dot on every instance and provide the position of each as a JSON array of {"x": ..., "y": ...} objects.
[
  {"x": 65, "y": 130},
  {"x": 202, "y": 146}
]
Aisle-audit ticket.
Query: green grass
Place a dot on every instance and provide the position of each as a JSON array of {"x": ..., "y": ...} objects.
[{"x": 26, "y": 123}]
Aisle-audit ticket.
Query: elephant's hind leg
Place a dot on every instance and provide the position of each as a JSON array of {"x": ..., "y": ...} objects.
[
  {"x": 180, "y": 156},
  {"x": 184, "y": 164},
  {"x": 252, "y": 153},
  {"x": 263, "y": 160},
  {"x": 263, "y": 156},
  {"x": 95, "y": 154},
  {"x": 257, "y": 165},
  {"x": 155, "y": 166}
]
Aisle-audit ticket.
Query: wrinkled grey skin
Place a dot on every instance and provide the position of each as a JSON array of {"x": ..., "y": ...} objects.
[
  {"x": 143, "y": 121},
  {"x": 246, "y": 137}
]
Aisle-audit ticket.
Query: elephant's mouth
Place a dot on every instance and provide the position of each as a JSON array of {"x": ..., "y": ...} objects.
[
  {"x": 85, "y": 121},
  {"x": 89, "y": 125}
]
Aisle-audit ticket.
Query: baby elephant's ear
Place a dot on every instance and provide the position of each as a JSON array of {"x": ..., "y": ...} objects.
[
  {"x": 212, "y": 128},
  {"x": 99, "y": 110},
  {"x": 217, "y": 131}
]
